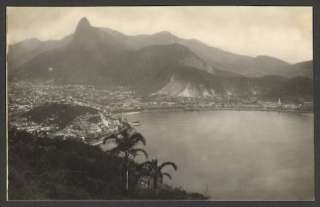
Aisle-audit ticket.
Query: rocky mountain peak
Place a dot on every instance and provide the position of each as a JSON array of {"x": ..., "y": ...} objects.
[
  {"x": 85, "y": 35},
  {"x": 83, "y": 26},
  {"x": 83, "y": 23}
]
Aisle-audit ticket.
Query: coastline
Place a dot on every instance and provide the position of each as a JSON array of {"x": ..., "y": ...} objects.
[{"x": 150, "y": 110}]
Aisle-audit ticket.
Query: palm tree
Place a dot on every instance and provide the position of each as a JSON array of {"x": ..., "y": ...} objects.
[
  {"x": 154, "y": 170},
  {"x": 126, "y": 140}
]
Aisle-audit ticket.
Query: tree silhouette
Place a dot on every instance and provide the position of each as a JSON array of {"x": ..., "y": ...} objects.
[
  {"x": 154, "y": 170},
  {"x": 126, "y": 140}
]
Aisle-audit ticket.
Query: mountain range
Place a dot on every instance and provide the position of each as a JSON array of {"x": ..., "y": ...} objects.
[{"x": 160, "y": 63}]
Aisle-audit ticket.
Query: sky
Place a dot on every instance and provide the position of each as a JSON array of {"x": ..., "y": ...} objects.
[{"x": 282, "y": 32}]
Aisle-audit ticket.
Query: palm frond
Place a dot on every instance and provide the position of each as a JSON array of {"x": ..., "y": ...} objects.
[
  {"x": 135, "y": 152},
  {"x": 137, "y": 137},
  {"x": 111, "y": 137},
  {"x": 166, "y": 174},
  {"x": 172, "y": 164}
]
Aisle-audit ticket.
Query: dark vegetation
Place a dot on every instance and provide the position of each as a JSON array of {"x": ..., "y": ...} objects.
[
  {"x": 57, "y": 113},
  {"x": 43, "y": 168}
]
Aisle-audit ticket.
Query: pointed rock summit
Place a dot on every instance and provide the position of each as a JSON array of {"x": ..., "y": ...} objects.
[
  {"x": 85, "y": 34},
  {"x": 83, "y": 24}
]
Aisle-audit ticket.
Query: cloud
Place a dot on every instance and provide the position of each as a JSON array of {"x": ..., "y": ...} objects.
[{"x": 283, "y": 32}]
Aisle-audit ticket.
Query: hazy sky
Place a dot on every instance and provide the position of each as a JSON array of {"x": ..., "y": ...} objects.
[{"x": 283, "y": 32}]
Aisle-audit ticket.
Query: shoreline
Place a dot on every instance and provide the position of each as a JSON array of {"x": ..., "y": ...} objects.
[{"x": 131, "y": 112}]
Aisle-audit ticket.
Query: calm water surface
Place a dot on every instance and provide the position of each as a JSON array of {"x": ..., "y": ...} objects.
[{"x": 235, "y": 155}]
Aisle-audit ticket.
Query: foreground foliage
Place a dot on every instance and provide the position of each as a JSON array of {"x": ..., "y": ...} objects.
[{"x": 42, "y": 168}]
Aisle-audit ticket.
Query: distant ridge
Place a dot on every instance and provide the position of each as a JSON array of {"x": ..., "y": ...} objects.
[{"x": 149, "y": 63}]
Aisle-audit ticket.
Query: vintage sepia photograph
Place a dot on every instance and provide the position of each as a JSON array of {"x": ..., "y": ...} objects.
[{"x": 210, "y": 103}]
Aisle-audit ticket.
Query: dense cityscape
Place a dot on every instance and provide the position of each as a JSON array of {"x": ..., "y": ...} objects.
[
  {"x": 23, "y": 96},
  {"x": 112, "y": 106}
]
